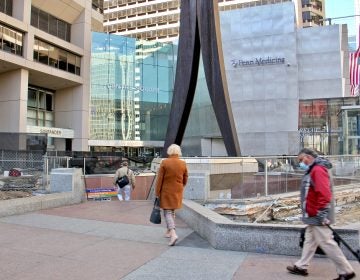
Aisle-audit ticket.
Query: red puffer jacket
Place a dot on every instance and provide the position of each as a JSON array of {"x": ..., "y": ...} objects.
[{"x": 319, "y": 195}]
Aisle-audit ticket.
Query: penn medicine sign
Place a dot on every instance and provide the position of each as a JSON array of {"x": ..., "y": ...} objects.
[{"x": 258, "y": 61}]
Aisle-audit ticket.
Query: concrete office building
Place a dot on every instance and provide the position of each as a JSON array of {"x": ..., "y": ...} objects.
[
  {"x": 45, "y": 68},
  {"x": 270, "y": 67},
  {"x": 159, "y": 19}
]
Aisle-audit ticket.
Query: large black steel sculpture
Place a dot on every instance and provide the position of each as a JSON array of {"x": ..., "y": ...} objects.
[{"x": 200, "y": 30}]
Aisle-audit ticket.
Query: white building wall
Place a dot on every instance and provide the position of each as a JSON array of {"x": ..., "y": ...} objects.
[
  {"x": 13, "y": 98},
  {"x": 322, "y": 67},
  {"x": 265, "y": 98}
]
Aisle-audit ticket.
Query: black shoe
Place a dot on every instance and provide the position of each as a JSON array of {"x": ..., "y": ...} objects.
[
  {"x": 298, "y": 271},
  {"x": 346, "y": 276}
]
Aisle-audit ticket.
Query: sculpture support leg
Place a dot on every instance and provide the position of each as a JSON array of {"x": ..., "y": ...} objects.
[
  {"x": 199, "y": 29},
  {"x": 214, "y": 68},
  {"x": 186, "y": 75}
]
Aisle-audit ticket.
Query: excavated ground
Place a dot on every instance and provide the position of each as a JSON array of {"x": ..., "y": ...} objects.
[
  {"x": 14, "y": 194},
  {"x": 286, "y": 210},
  {"x": 17, "y": 187}
]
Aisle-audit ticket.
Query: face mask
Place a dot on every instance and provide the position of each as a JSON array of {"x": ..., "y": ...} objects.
[{"x": 303, "y": 166}]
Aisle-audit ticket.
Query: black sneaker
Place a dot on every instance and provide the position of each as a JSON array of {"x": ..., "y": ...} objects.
[
  {"x": 298, "y": 271},
  {"x": 346, "y": 276}
]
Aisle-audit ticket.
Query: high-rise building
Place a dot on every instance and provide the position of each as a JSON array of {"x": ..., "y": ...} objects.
[
  {"x": 45, "y": 69},
  {"x": 310, "y": 12},
  {"x": 159, "y": 19}
]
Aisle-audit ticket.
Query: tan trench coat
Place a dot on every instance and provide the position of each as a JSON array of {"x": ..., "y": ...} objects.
[{"x": 171, "y": 180}]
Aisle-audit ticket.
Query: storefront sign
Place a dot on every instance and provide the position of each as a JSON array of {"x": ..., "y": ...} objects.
[
  {"x": 52, "y": 131},
  {"x": 260, "y": 61}
]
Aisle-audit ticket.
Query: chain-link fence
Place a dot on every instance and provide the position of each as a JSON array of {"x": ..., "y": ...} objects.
[
  {"x": 30, "y": 167},
  {"x": 34, "y": 168},
  {"x": 261, "y": 176}
]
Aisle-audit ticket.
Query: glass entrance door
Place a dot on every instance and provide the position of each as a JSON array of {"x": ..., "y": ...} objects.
[{"x": 351, "y": 129}]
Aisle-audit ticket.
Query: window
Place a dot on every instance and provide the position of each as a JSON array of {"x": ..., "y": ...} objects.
[
  {"x": 11, "y": 40},
  {"x": 6, "y": 7},
  {"x": 50, "y": 24},
  {"x": 71, "y": 63},
  {"x": 32, "y": 98},
  {"x": 62, "y": 60},
  {"x": 40, "y": 107},
  {"x": 44, "y": 52},
  {"x": 55, "y": 57},
  {"x": 43, "y": 21}
]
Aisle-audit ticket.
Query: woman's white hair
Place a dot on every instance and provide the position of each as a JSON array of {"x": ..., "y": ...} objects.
[{"x": 174, "y": 150}]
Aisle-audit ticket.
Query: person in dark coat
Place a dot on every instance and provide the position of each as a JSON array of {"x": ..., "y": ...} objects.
[
  {"x": 171, "y": 180},
  {"x": 317, "y": 205}
]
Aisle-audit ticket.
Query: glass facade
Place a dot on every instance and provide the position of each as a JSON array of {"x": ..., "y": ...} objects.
[
  {"x": 323, "y": 127},
  {"x": 131, "y": 88}
]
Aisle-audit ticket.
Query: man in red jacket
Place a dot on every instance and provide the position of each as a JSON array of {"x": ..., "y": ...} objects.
[{"x": 317, "y": 206}]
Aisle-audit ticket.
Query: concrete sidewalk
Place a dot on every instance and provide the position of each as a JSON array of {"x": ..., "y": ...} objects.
[{"x": 114, "y": 240}]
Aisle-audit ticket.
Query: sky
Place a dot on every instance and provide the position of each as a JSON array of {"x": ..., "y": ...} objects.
[{"x": 340, "y": 8}]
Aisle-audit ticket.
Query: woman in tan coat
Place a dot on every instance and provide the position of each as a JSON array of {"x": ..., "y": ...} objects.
[{"x": 171, "y": 180}]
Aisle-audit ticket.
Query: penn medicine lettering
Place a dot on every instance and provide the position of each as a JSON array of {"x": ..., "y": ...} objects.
[{"x": 257, "y": 61}]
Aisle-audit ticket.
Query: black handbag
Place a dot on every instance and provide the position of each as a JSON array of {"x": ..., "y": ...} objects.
[
  {"x": 123, "y": 181},
  {"x": 318, "y": 251},
  {"x": 155, "y": 216}
]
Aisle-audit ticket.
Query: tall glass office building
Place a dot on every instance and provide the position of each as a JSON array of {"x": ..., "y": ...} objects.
[{"x": 131, "y": 91}]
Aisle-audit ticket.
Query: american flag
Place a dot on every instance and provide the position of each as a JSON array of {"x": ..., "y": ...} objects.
[{"x": 354, "y": 72}]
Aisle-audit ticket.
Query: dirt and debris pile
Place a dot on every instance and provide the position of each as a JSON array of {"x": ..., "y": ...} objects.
[
  {"x": 287, "y": 210},
  {"x": 14, "y": 194},
  {"x": 17, "y": 187}
]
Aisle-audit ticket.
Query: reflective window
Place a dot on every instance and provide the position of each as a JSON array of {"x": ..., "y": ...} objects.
[
  {"x": 11, "y": 40},
  {"x": 55, "y": 57},
  {"x": 71, "y": 63},
  {"x": 62, "y": 60},
  {"x": 40, "y": 107},
  {"x": 131, "y": 88},
  {"x": 321, "y": 126},
  {"x": 43, "y": 52},
  {"x": 32, "y": 98},
  {"x": 6, "y": 7},
  {"x": 98, "y": 5}
]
